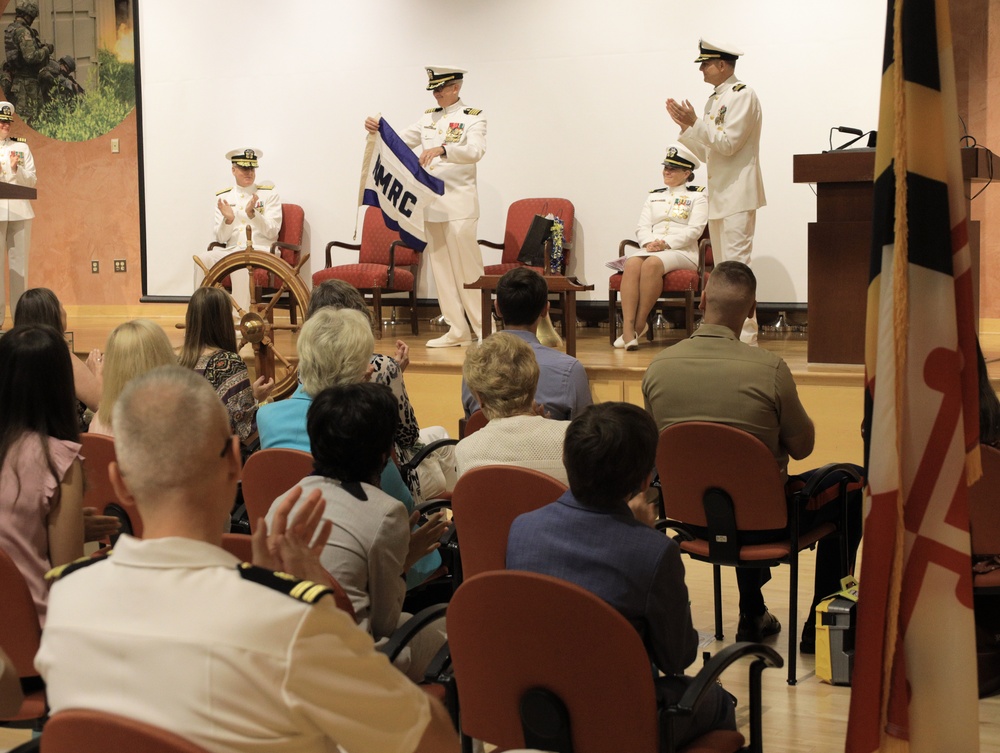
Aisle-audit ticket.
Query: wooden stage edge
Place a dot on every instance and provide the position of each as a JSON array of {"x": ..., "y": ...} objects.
[{"x": 90, "y": 326}]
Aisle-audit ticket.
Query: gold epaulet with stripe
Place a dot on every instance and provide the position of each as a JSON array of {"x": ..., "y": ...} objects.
[
  {"x": 20, "y": 139},
  {"x": 56, "y": 573},
  {"x": 433, "y": 109},
  {"x": 265, "y": 186},
  {"x": 472, "y": 111},
  {"x": 696, "y": 188},
  {"x": 739, "y": 87},
  {"x": 303, "y": 590},
  {"x": 224, "y": 190},
  {"x": 657, "y": 190}
]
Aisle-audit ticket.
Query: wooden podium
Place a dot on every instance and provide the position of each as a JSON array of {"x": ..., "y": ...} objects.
[
  {"x": 12, "y": 191},
  {"x": 839, "y": 246}
]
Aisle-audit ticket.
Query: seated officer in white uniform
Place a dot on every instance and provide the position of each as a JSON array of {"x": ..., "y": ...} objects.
[
  {"x": 175, "y": 632},
  {"x": 245, "y": 204}
]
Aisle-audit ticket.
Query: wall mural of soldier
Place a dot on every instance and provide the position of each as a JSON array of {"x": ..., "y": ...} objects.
[{"x": 81, "y": 84}]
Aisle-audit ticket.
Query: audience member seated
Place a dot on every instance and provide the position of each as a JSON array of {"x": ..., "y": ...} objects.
[
  {"x": 503, "y": 375},
  {"x": 175, "y": 632},
  {"x": 133, "y": 348},
  {"x": 523, "y": 303},
  {"x": 11, "y": 696},
  {"x": 40, "y": 306},
  {"x": 210, "y": 349},
  {"x": 41, "y": 474},
  {"x": 590, "y": 536},
  {"x": 712, "y": 376},
  {"x": 670, "y": 224},
  {"x": 370, "y": 546},
  {"x": 436, "y": 473},
  {"x": 335, "y": 348}
]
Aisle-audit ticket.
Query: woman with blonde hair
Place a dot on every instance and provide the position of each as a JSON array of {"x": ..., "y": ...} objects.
[
  {"x": 502, "y": 373},
  {"x": 133, "y": 348},
  {"x": 210, "y": 349}
]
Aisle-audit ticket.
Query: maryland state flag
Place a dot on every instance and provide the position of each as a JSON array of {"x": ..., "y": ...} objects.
[{"x": 914, "y": 684}]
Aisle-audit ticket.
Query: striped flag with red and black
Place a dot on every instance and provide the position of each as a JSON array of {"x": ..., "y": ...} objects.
[{"x": 915, "y": 662}]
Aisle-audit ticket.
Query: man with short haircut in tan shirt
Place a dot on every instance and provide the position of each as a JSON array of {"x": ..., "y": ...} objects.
[{"x": 712, "y": 376}]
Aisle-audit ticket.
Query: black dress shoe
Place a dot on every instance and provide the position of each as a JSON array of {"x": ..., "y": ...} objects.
[{"x": 755, "y": 629}]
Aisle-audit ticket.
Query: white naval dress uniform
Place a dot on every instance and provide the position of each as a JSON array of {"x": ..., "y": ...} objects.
[
  {"x": 15, "y": 222},
  {"x": 265, "y": 226},
  {"x": 727, "y": 138},
  {"x": 677, "y": 216},
  {"x": 169, "y": 632},
  {"x": 451, "y": 220}
]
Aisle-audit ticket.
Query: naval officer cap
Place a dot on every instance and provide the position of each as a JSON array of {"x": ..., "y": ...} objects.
[
  {"x": 439, "y": 75},
  {"x": 678, "y": 156},
  {"x": 244, "y": 157},
  {"x": 6, "y": 112},
  {"x": 709, "y": 50}
]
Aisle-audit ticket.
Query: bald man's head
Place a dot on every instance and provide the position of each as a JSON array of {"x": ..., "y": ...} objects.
[{"x": 170, "y": 427}]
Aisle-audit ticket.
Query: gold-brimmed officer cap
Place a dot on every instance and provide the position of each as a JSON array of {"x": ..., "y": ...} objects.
[
  {"x": 709, "y": 50},
  {"x": 244, "y": 157},
  {"x": 6, "y": 112},
  {"x": 439, "y": 75},
  {"x": 678, "y": 156}
]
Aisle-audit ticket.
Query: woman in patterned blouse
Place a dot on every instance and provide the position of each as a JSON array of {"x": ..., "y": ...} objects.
[{"x": 210, "y": 349}]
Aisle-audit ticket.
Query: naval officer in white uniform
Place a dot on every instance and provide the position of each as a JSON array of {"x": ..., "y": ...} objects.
[
  {"x": 247, "y": 203},
  {"x": 727, "y": 139},
  {"x": 17, "y": 166},
  {"x": 451, "y": 139}
]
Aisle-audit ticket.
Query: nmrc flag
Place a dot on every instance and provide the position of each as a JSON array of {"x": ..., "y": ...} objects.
[
  {"x": 393, "y": 180},
  {"x": 914, "y": 683}
]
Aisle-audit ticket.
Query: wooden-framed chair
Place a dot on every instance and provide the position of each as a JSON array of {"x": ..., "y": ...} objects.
[
  {"x": 270, "y": 473},
  {"x": 984, "y": 518},
  {"x": 720, "y": 484},
  {"x": 542, "y": 663},
  {"x": 98, "y": 453},
  {"x": 385, "y": 265},
  {"x": 88, "y": 731},
  {"x": 288, "y": 246},
  {"x": 20, "y": 634},
  {"x": 485, "y": 502},
  {"x": 682, "y": 287}
]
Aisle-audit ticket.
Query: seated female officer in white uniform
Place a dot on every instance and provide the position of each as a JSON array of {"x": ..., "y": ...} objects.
[{"x": 672, "y": 220}]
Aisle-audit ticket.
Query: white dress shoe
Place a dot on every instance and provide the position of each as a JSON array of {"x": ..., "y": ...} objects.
[
  {"x": 634, "y": 345},
  {"x": 449, "y": 341},
  {"x": 620, "y": 342}
]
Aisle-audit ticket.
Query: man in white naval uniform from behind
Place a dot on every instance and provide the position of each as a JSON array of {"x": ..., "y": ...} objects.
[
  {"x": 452, "y": 139},
  {"x": 727, "y": 138},
  {"x": 17, "y": 167},
  {"x": 246, "y": 203}
]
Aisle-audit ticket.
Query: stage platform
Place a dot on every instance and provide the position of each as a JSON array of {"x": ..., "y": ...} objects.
[{"x": 831, "y": 393}]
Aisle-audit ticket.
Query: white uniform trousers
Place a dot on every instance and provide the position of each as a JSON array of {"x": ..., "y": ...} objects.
[
  {"x": 455, "y": 259},
  {"x": 239, "y": 278},
  {"x": 732, "y": 240},
  {"x": 15, "y": 236}
]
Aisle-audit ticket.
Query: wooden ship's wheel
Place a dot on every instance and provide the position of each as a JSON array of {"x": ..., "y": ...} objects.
[{"x": 257, "y": 326}]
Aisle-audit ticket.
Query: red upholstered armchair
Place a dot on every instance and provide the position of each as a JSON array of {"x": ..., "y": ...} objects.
[
  {"x": 682, "y": 287},
  {"x": 519, "y": 217},
  {"x": 379, "y": 270}
]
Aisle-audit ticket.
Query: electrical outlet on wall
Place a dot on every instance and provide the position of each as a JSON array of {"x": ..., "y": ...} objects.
[
  {"x": 119, "y": 265},
  {"x": 95, "y": 266}
]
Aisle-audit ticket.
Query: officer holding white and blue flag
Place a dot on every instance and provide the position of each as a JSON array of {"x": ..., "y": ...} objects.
[{"x": 451, "y": 139}]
